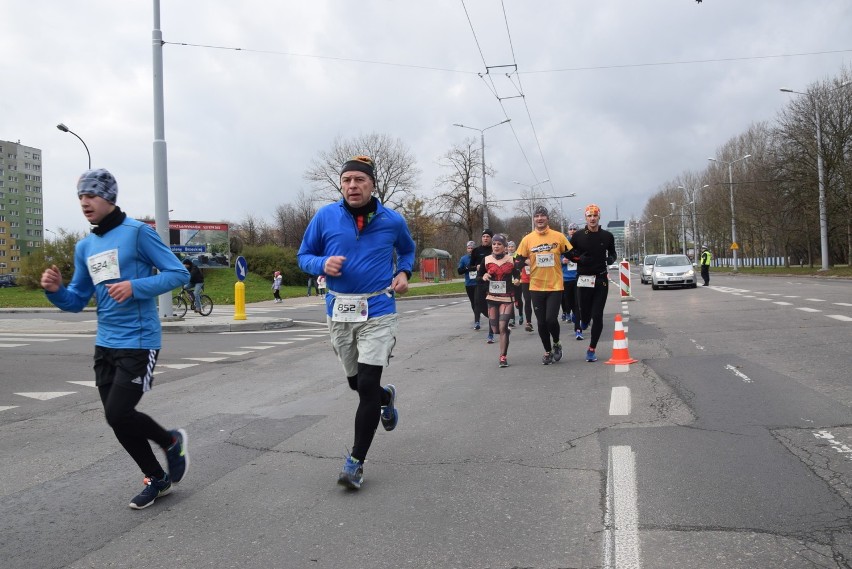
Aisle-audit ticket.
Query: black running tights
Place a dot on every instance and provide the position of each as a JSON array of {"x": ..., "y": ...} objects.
[
  {"x": 546, "y": 307},
  {"x": 591, "y": 302},
  {"x": 372, "y": 396},
  {"x": 132, "y": 428}
]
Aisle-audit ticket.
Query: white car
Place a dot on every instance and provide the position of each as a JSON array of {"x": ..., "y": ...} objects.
[
  {"x": 672, "y": 270},
  {"x": 646, "y": 268}
]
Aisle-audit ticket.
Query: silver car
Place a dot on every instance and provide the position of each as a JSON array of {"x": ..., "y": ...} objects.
[
  {"x": 646, "y": 268},
  {"x": 672, "y": 270}
]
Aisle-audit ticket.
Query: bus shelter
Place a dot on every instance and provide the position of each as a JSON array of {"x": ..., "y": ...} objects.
[{"x": 435, "y": 265}]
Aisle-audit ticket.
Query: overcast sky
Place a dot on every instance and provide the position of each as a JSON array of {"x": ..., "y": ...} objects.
[{"x": 619, "y": 97}]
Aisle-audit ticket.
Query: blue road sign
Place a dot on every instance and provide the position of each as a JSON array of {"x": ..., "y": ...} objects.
[{"x": 241, "y": 268}]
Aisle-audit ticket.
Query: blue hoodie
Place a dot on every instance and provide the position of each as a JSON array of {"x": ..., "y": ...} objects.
[{"x": 369, "y": 265}]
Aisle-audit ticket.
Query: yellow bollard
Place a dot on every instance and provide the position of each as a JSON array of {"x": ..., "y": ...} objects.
[{"x": 239, "y": 301}]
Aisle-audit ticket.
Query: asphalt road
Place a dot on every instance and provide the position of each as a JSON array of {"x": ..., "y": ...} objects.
[{"x": 729, "y": 444}]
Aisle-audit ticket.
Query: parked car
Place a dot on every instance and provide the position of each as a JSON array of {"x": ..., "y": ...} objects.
[
  {"x": 672, "y": 270},
  {"x": 646, "y": 268},
  {"x": 7, "y": 281}
]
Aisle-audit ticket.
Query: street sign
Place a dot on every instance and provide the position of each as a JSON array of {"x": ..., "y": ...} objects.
[
  {"x": 241, "y": 268},
  {"x": 734, "y": 246}
]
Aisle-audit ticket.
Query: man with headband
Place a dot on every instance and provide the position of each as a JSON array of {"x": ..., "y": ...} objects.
[
  {"x": 116, "y": 263},
  {"x": 594, "y": 250},
  {"x": 353, "y": 242},
  {"x": 543, "y": 248}
]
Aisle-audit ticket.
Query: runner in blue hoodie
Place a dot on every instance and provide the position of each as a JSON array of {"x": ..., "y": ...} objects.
[
  {"x": 115, "y": 263},
  {"x": 352, "y": 242}
]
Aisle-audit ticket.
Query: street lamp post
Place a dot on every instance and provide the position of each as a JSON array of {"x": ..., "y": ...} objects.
[
  {"x": 823, "y": 213},
  {"x": 644, "y": 244},
  {"x": 64, "y": 128},
  {"x": 692, "y": 198},
  {"x": 665, "y": 246},
  {"x": 733, "y": 217},
  {"x": 484, "y": 190},
  {"x": 683, "y": 228}
]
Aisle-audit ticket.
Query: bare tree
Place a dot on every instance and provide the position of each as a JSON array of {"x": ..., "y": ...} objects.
[
  {"x": 253, "y": 231},
  {"x": 459, "y": 199},
  {"x": 291, "y": 220},
  {"x": 396, "y": 168}
]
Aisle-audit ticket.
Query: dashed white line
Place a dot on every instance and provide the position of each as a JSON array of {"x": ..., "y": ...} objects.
[
  {"x": 619, "y": 401},
  {"x": 84, "y": 383},
  {"x": 236, "y": 353},
  {"x": 621, "y": 541},
  {"x": 45, "y": 395},
  {"x": 256, "y": 347},
  {"x": 738, "y": 373},
  {"x": 782, "y": 303},
  {"x": 205, "y": 360},
  {"x": 843, "y": 304},
  {"x": 176, "y": 366},
  {"x": 806, "y": 309},
  {"x": 7, "y": 407},
  {"x": 815, "y": 299},
  {"x": 840, "y": 317}
]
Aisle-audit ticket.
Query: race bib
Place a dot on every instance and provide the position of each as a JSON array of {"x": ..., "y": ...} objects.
[
  {"x": 587, "y": 281},
  {"x": 104, "y": 266},
  {"x": 527, "y": 269},
  {"x": 571, "y": 266},
  {"x": 544, "y": 260},
  {"x": 349, "y": 309},
  {"x": 471, "y": 275},
  {"x": 497, "y": 287}
]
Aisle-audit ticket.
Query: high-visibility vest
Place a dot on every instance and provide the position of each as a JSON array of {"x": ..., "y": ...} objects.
[{"x": 706, "y": 257}]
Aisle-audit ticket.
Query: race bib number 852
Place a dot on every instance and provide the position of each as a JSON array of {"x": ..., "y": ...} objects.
[{"x": 349, "y": 309}]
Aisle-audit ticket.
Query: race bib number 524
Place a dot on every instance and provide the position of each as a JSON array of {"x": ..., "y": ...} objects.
[{"x": 104, "y": 266}]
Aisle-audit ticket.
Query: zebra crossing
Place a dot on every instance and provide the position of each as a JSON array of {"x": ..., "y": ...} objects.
[{"x": 171, "y": 363}]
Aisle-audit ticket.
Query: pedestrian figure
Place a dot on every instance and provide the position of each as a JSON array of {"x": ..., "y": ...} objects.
[
  {"x": 706, "y": 259},
  {"x": 353, "y": 242},
  {"x": 116, "y": 263},
  {"x": 498, "y": 270},
  {"x": 469, "y": 272},
  {"x": 276, "y": 286},
  {"x": 476, "y": 257},
  {"x": 311, "y": 284},
  {"x": 195, "y": 285},
  {"x": 321, "y": 285}
]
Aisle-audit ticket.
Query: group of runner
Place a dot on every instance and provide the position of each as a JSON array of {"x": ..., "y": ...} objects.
[{"x": 547, "y": 272}]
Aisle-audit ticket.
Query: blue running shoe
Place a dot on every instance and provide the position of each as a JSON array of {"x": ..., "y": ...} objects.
[
  {"x": 352, "y": 475},
  {"x": 590, "y": 356},
  {"x": 490, "y": 339},
  {"x": 390, "y": 414},
  {"x": 178, "y": 455},
  {"x": 557, "y": 351},
  {"x": 578, "y": 334},
  {"x": 476, "y": 326},
  {"x": 153, "y": 489}
]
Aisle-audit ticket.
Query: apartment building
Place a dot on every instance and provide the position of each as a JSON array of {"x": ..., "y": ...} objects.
[{"x": 21, "y": 206}]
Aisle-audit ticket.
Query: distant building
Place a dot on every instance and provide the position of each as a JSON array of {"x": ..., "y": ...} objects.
[
  {"x": 617, "y": 230},
  {"x": 21, "y": 207}
]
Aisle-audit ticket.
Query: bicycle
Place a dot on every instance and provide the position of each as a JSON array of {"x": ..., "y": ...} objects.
[{"x": 183, "y": 300}]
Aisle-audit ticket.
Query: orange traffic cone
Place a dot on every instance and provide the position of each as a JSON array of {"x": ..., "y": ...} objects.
[{"x": 620, "y": 355}]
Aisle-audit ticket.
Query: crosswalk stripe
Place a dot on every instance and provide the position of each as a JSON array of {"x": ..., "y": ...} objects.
[{"x": 45, "y": 395}]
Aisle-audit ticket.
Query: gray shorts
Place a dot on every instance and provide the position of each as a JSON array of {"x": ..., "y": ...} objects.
[{"x": 370, "y": 342}]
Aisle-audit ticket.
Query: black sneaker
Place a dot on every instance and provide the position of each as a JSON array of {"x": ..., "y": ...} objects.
[
  {"x": 390, "y": 415},
  {"x": 547, "y": 359},
  {"x": 504, "y": 362},
  {"x": 557, "y": 351},
  {"x": 153, "y": 489},
  {"x": 178, "y": 455},
  {"x": 528, "y": 327}
]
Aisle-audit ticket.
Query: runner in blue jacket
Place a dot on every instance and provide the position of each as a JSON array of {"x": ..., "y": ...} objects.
[
  {"x": 116, "y": 263},
  {"x": 352, "y": 242}
]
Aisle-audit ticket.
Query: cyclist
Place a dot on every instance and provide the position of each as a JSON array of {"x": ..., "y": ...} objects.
[{"x": 196, "y": 283}]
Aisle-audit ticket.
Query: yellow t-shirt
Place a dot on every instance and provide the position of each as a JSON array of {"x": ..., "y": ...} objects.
[{"x": 544, "y": 250}]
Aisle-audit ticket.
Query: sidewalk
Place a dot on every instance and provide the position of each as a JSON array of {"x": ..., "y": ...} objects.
[{"x": 221, "y": 320}]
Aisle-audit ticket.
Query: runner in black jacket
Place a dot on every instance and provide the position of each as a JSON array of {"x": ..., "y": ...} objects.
[
  {"x": 593, "y": 249},
  {"x": 477, "y": 256}
]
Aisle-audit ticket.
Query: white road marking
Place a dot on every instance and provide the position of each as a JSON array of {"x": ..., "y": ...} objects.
[
  {"x": 738, "y": 373},
  {"x": 84, "y": 383},
  {"x": 176, "y": 366},
  {"x": 803, "y": 309},
  {"x": 40, "y": 339},
  {"x": 45, "y": 395},
  {"x": 697, "y": 346},
  {"x": 843, "y": 304},
  {"x": 280, "y": 331},
  {"x": 409, "y": 311},
  {"x": 206, "y": 360},
  {"x": 622, "y": 368},
  {"x": 840, "y": 317},
  {"x": 815, "y": 299},
  {"x": 7, "y": 407},
  {"x": 619, "y": 401},
  {"x": 835, "y": 444},
  {"x": 621, "y": 520},
  {"x": 791, "y": 296},
  {"x": 12, "y": 345},
  {"x": 256, "y": 347},
  {"x": 782, "y": 303},
  {"x": 236, "y": 353},
  {"x": 766, "y": 299},
  {"x": 35, "y": 335},
  {"x": 277, "y": 343}
]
